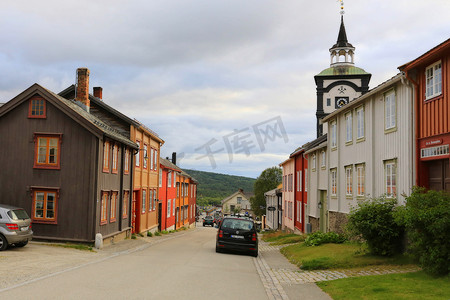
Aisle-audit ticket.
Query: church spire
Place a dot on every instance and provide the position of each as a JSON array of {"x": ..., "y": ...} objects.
[{"x": 342, "y": 52}]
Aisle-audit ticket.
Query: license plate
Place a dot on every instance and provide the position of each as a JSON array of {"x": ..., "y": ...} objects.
[
  {"x": 24, "y": 228},
  {"x": 237, "y": 236}
]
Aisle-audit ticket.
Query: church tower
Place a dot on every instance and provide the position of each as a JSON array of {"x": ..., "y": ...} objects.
[{"x": 342, "y": 82}]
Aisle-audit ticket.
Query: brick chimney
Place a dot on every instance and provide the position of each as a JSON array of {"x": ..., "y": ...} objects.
[
  {"x": 174, "y": 158},
  {"x": 98, "y": 92},
  {"x": 82, "y": 93}
]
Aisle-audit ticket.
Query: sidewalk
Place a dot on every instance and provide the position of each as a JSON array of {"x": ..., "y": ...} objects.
[{"x": 284, "y": 280}]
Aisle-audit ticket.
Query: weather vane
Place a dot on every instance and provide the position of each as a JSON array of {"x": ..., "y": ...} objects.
[{"x": 342, "y": 7}]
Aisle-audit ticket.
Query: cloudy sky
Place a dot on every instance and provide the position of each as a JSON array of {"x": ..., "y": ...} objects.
[{"x": 229, "y": 85}]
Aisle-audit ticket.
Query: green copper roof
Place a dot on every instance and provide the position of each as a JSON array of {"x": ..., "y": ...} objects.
[{"x": 342, "y": 70}]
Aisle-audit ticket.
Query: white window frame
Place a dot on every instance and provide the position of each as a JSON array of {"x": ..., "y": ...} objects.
[
  {"x": 390, "y": 110},
  {"x": 300, "y": 181},
  {"x": 333, "y": 181},
  {"x": 313, "y": 162},
  {"x": 173, "y": 207},
  {"x": 144, "y": 164},
  {"x": 360, "y": 123},
  {"x": 333, "y": 134},
  {"x": 360, "y": 180},
  {"x": 306, "y": 180},
  {"x": 349, "y": 180},
  {"x": 169, "y": 179},
  {"x": 324, "y": 159},
  {"x": 160, "y": 178},
  {"x": 348, "y": 128},
  {"x": 390, "y": 178},
  {"x": 138, "y": 154},
  {"x": 169, "y": 208},
  {"x": 433, "y": 80}
]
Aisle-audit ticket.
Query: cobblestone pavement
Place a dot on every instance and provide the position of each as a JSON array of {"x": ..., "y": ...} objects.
[{"x": 273, "y": 277}]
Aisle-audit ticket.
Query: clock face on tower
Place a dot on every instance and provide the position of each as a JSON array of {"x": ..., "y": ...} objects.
[{"x": 341, "y": 101}]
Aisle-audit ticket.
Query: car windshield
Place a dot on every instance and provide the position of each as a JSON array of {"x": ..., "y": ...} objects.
[
  {"x": 18, "y": 214},
  {"x": 208, "y": 217},
  {"x": 237, "y": 224}
]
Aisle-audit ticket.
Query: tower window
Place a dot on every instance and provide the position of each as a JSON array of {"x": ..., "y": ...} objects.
[{"x": 328, "y": 101}]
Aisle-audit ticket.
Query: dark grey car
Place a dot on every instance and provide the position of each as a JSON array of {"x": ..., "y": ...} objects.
[
  {"x": 15, "y": 227},
  {"x": 237, "y": 234}
]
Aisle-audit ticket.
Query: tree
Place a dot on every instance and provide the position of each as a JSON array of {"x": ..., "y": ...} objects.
[{"x": 269, "y": 179}]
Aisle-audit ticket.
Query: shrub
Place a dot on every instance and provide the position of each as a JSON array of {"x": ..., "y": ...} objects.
[
  {"x": 149, "y": 234},
  {"x": 319, "y": 238},
  {"x": 157, "y": 233},
  {"x": 426, "y": 216},
  {"x": 374, "y": 220},
  {"x": 164, "y": 232}
]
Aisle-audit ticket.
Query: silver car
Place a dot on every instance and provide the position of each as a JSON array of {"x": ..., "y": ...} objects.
[{"x": 15, "y": 227}]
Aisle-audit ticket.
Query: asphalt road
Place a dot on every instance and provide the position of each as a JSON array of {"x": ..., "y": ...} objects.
[{"x": 185, "y": 267}]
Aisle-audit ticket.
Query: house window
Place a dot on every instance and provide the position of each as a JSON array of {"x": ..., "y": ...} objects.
[
  {"x": 169, "y": 179},
  {"x": 178, "y": 189},
  {"x": 106, "y": 153},
  {"x": 115, "y": 158},
  {"x": 389, "y": 111},
  {"x": 360, "y": 180},
  {"x": 126, "y": 196},
  {"x": 349, "y": 180},
  {"x": 328, "y": 101},
  {"x": 44, "y": 205},
  {"x": 47, "y": 153},
  {"x": 306, "y": 180},
  {"x": 360, "y": 123},
  {"x": 113, "y": 208},
  {"x": 300, "y": 180},
  {"x": 127, "y": 161},
  {"x": 150, "y": 200},
  {"x": 433, "y": 80},
  {"x": 174, "y": 178},
  {"x": 169, "y": 209},
  {"x": 104, "y": 208},
  {"x": 138, "y": 154},
  {"x": 333, "y": 134},
  {"x": 390, "y": 170},
  {"x": 173, "y": 207},
  {"x": 313, "y": 162},
  {"x": 239, "y": 200},
  {"x": 160, "y": 178},
  {"x": 349, "y": 128},
  {"x": 155, "y": 159},
  {"x": 144, "y": 200},
  {"x": 145, "y": 157},
  {"x": 37, "y": 108},
  {"x": 333, "y": 182},
  {"x": 323, "y": 159}
]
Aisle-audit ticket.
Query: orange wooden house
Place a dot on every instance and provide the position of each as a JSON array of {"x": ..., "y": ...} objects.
[
  {"x": 430, "y": 76},
  {"x": 146, "y": 207}
]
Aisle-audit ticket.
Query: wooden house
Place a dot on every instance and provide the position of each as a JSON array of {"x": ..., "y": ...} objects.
[
  {"x": 288, "y": 167},
  {"x": 168, "y": 173}
]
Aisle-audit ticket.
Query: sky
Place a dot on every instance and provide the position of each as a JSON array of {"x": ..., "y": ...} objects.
[{"x": 228, "y": 85}]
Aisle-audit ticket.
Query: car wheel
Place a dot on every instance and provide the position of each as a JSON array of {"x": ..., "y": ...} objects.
[
  {"x": 218, "y": 250},
  {"x": 3, "y": 243},
  {"x": 22, "y": 244},
  {"x": 203, "y": 225},
  {"x": 255, "y": 253}
]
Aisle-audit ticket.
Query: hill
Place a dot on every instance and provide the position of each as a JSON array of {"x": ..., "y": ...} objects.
[{"x": 213, "y": 187}]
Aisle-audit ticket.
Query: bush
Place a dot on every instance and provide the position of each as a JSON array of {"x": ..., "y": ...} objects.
[
  {"x": 426, "y": 216},
  {"x": 319, "y": 238},
  {"x": 374, "y": 220},
  {"x": 157, "y": 233},
  {"x": 149, "y": 234}
]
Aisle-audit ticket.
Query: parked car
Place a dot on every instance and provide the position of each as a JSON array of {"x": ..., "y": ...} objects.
[
  {"x": 208, "y": 220},
  {"x": 15, "y": 227},
  {"x": 237, "y": 234}
]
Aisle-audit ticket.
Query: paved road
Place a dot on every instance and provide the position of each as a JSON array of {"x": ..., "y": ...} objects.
[{"x": 184, "y": 267}]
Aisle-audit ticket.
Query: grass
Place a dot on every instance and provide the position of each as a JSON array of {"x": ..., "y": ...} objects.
[
  {"x": 417, "y": 285},
  {"x": 282, "y": 238},
  {"x": 82, "y": 247},
  {"x": 330, "y": 256}
]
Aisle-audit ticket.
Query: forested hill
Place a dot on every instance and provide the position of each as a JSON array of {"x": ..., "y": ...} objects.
[{"x": 213, "y": 187}]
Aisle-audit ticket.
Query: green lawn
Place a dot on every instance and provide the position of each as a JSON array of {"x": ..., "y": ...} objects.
[
  {"x": 417, "y": 285},
  {"x": 329, "y": 256},
  {"x": 281, "y": 238}
]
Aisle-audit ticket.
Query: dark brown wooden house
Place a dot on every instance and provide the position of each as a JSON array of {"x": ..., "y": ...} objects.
[{"x": 69, "y": 168}]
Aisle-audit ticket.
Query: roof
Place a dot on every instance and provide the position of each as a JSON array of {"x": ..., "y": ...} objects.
[
  {"x": 426, "y": 56},
  {"x": 247, "y": 196},
  {"x": 342, "y": 37},
  {"x": 168, "y": 164},
  {"x": 343, "y": 70},
  {"x": 71, "y": 108},
  {"x": 362, "y": 98}
]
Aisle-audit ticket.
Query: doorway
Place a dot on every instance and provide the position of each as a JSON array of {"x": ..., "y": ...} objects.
[{"x": 323, "y": 225}]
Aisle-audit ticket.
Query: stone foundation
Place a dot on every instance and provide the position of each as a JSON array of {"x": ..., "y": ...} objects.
[
  {"x": 315, "y": 225},
  {"x": 337, "y": 221},
  {"x": 117, "y": 237}
]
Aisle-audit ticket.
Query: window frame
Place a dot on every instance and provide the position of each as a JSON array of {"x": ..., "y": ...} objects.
[
  {"x": 113, "y": 206},
  {"x": 360, "y": 180},
  {"x": 314, "y": 161},
  {"x": 144, "y": 201},
  {"x": 434, "y": 85},
  {"x": 104, "y": 207},
  {"x": 333, "y": 129},
  {"x": 389, "y": 117},
  {"x": 30, "y": 108},
  {"x": 125, "y": 201},
  {"x": 360, "y": 123},
  {"x": 106, "y": 156},
  {"x": 47, "y": 165},
  {"x": 115, "y": 158},
  {"x": 392, "y": 165},
  {"x": 324, "y": 159},
  {"x": 348, "y": 181},
  {"x": 126, "y": 168},
  {"x": 138, "y": 154},
  {"x": 145, "y": 157},
  {"x": 306, "y": 180},
  {"x": 333, "y": 182},
  {"x": 44, "y": 219},
  {"x": 348, "y": 128}
]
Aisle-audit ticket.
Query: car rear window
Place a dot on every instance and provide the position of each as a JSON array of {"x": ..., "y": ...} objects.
[
  {"x": 237, "y": 224},
  {"x": 208, "y": 217},
  {"x": 18, "y": 214}
]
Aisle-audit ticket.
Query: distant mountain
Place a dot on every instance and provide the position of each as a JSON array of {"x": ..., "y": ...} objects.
[{"x": 213, "y": 187}]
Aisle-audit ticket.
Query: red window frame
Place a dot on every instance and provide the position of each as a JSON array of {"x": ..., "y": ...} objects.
[
  {"x": 47, "y": 164},
  {"x": 113, "y": 207},
  {"x": 126, "y": 197},
  {"x": 138, "y": 154},
  {"x": 106, "y": 156},
  {"x": 44, "y": 219},
  {"x": 127, "y": 161},
  {"x": 35, "y": 107},
  {"x": 145, "y": 156},
  {"x": 115, "y": 158},
  {"x": 104, "y": 208},
  {"x": 144, "y": 201}
]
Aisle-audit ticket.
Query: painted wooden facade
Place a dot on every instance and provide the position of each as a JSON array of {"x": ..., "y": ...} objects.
[
  {"x": 65, "y": 165},
  {"x": 146, "y": 179},
  {"x": 300, "y": 188},
  {"x": 288, "y": 167},
  {"x": 238, "y": 202},
  {"x": 370, "y": 149},
  {"x": 430, "y": 76},
  {"x": 274, "y": 208},
  {"x": 168, "y": 193}
]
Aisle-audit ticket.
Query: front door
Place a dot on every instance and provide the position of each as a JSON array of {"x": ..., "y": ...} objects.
[
  {"x": 439, "y": 175},
  {"x": 135, "y": 211},
  {"x": 160, "y": 217},
  {"x": 323, "y": 212}
]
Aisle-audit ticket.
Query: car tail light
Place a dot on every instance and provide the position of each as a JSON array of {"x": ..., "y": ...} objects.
[
  {"x": 254, "y": 237},
  {"x": 12, "y": 226},
  {"x": 220, "y": 233}
]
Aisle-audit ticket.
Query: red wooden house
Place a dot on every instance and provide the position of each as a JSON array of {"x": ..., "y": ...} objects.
[
  {"x": 168, "y": 192},
  {"x": 430, "y": 74},
  {"x": 300, "y": 190}
]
